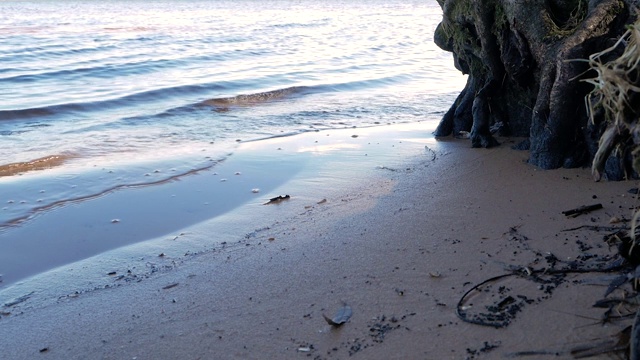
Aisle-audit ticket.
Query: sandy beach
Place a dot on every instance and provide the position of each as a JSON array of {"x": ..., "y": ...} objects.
[{"x": 387, "y": 220}]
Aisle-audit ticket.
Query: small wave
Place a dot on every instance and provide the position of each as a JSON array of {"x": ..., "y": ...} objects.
[
  {"x": 54, "y": 51},
  {"x": 370, "y": 83},
  {"x": 27, "y": 113},
  {"x": 12, "y": 132},
  {"x": 219, "y": 104},
  {"x": 43, "y": 163},
  {"x": 127, "y": 100},
  {"x": 256, "y": 98},
  {"x": 225, "y": 103},
  {"x": 312, "y": 24},
  {"x": 128, "y": 29},
  {"x": 21, "y": 30},
  {"x": 102, "y": 71}
]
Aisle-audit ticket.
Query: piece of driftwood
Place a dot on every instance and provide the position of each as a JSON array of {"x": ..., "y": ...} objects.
[
  {"x": 582, "y": 210},
  {"x": 277, "y": 199},
  {"x": 170, "y": 286}
]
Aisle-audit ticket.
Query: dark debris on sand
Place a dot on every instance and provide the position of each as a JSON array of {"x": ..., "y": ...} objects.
[{"x": 621, "y": 298}]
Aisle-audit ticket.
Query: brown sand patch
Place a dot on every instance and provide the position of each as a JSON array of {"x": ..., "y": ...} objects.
[{"x": 42, "y": 163}]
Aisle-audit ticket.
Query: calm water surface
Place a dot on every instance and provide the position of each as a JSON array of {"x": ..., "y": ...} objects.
[{"x": 99, "y": 95}]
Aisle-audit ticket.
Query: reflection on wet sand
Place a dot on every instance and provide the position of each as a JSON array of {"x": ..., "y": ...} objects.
[{"x": 42, "y": 163}]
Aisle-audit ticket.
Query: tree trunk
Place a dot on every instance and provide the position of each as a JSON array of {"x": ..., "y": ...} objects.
[{"x": 525, "y": 61}]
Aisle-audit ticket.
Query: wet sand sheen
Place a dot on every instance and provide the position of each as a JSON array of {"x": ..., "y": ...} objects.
[
  {"x": 127, "y": 214},
  {"x": 40, "y": 209},
  {"x": 43, "y": 163}
]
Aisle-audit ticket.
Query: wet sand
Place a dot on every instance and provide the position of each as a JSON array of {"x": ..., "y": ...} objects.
[{"x": 400, "y": 243}]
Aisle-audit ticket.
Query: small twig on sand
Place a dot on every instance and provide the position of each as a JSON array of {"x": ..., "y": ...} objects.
[
  {"x": 596, "y": 228},
  {"x": 582, "y": 210}
]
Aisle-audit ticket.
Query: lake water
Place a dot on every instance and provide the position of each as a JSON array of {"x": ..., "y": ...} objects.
[{"x": 103, "y": 95}]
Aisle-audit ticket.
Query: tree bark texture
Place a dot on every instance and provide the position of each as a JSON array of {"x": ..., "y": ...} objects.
[{"x": 525, "y": 61}]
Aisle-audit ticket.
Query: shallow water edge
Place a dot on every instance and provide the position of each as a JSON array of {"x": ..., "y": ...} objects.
[{"x": 309, "y": 167}]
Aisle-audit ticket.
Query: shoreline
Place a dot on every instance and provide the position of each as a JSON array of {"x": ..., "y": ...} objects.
[
  {"x": 401, "y": 242},
  {"x": 129, "y": 215}
]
